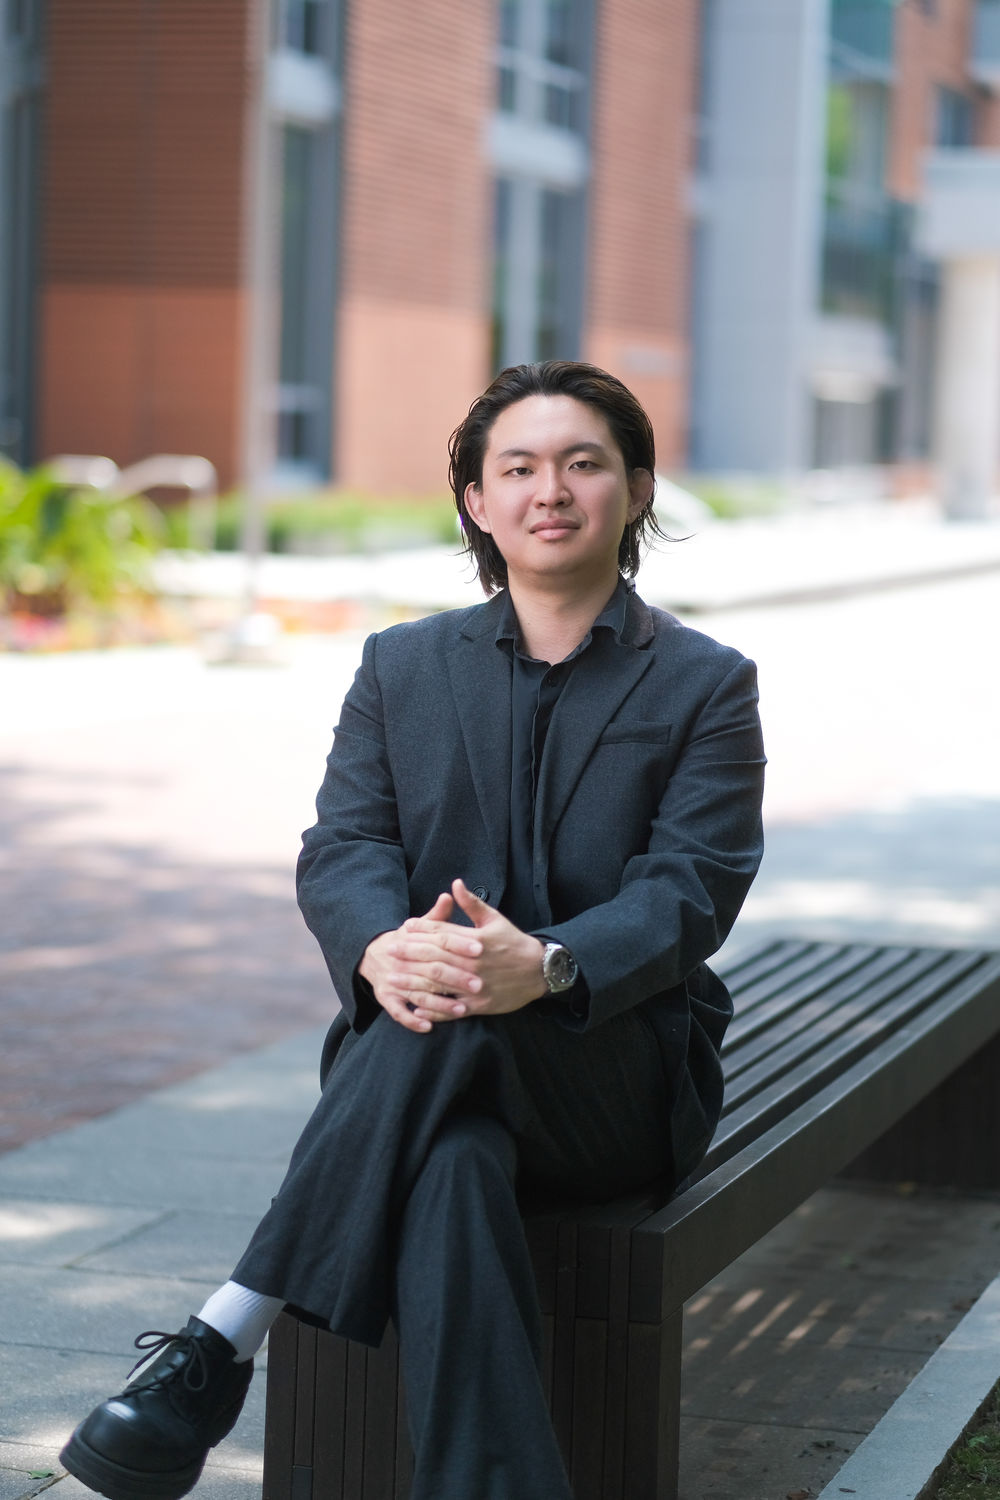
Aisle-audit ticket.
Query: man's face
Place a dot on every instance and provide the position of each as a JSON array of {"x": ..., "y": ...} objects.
[{"x": 555, "y": 496}]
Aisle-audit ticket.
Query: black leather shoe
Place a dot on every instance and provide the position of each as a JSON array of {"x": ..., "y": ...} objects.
[{"x": 151, "y": 1442}]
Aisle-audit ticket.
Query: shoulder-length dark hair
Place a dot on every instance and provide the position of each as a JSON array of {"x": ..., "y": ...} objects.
[{"x": 630, "y": 428}]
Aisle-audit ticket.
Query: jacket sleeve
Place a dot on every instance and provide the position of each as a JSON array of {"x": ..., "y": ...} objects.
[
  {"x": 678, "y": 899},
  {"x": 351, "y": 875}
]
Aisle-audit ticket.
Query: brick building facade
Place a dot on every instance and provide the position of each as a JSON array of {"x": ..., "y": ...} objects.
[
  {"x": 164, "y": 231},
  {"x": 296, "y": 236}
]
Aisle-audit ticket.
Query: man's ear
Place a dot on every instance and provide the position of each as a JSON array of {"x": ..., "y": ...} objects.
[
  {"x": 640, "y": 492},
  {"x": 474, "y": 505}
]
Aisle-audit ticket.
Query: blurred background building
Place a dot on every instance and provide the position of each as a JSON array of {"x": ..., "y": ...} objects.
[{"x": 297, "y": 236}]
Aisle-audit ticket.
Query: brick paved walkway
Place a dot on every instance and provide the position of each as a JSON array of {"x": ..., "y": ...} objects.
[{"x": 150, "y": 809}]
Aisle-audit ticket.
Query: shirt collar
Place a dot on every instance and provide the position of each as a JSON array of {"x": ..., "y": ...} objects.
[{"x": 612, "y": 617}]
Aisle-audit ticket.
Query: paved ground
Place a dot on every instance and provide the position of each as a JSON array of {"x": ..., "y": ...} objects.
[{"x": 151, "y": 807}]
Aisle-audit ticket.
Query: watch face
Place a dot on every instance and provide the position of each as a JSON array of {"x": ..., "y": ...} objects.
[{"x": 559, "y": 968}]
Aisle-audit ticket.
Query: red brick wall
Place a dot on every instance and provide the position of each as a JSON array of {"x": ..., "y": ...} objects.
[
  {"x": 645, "y": 61},
  {"x": 415, "y": 216},
  {"x": 930, "y": 50},
  {"x": 143, "y": 209}
]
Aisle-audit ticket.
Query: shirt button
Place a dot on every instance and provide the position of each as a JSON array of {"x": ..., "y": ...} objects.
[{"x": 481, "y": 891}]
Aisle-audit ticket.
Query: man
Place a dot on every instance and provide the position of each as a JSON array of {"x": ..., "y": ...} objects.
[{"x": 540, "y": 816}]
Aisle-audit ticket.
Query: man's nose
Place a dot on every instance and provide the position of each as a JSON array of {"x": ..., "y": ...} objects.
[{"x": 551, "y": 487}]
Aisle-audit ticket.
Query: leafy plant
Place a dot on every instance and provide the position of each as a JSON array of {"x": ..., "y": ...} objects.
[
  {"x": 732, "y": 497},
  {"x": 64, "y": 547}
]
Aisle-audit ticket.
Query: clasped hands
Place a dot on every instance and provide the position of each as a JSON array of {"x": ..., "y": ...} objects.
[{"x": 431, "y": 969}]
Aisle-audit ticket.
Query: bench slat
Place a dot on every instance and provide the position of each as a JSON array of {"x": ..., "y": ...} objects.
[
  {"x": 867, "y": 1002},
  {"x": 810, "y": 1073},
  {"x": 760, "y": 1004},
  {"x": 328, "y": 1439},
  {"x": 777, "y": 1021}
]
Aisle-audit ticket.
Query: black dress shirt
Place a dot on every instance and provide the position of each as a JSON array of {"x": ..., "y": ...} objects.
[{"x": 535, "y": 689}]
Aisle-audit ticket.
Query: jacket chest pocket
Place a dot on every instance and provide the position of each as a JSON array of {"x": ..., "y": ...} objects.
[{"x": 638, "y": 732}]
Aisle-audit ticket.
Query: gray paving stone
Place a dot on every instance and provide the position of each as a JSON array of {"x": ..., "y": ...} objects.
[
  {"x": 24, "y": 1459},
  {"x": 78, "y": 1310},
  {"x": 60, "y": 1169},
  {"x": 292, "y": 1063},
  {"x": 725, "y": 1460},
  {"x": 21, "y": 1471},
  {"x": 214, "y": 1484},
  {"x": 842, "y": 1310},
  {"x": 225, "y": 1131},
  {"x": 914, "y": 1236},
  {"x": 202, "y": 1246},
  {"x": 760, "y": 1381},
  {"x": 49, "y": 1391},
  {"x": 50, "y": 1234}
]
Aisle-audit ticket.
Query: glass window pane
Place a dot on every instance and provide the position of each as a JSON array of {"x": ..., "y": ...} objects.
[
  {"x": 509, "y": 19},
  {"x": 501, "y": 261},
  {"x": 564, "y": 32},
  {"x": 562, "y": 106},
  {"x": 956, "y": 118},
  {"x": 558, "y": 314},
  {"x": 294, "y": 243},
  {"x": 507, "y": 90},
  {"x": 303, "y": 26}
]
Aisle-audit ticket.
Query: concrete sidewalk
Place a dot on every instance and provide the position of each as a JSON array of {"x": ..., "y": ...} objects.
[{"x": 127, "y": 1222}]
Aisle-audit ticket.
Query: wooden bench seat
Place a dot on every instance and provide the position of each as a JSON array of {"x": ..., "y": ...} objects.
[{"x": 880, "y": 1061}]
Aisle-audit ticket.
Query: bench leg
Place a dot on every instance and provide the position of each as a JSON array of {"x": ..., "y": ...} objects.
[{"x": 652, "y": 1424}]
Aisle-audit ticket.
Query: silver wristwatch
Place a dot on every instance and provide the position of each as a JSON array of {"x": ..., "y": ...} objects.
[{"x": 559, "y": 968}]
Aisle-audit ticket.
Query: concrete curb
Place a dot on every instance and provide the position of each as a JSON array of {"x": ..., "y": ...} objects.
[{"x": 903, "y": 1456}]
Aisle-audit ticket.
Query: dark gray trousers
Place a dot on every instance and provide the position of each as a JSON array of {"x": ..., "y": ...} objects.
[{"x": 400, "y": 1201}]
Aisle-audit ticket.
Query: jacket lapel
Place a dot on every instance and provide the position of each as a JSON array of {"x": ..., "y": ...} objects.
[{"x": 480, "y": 683}]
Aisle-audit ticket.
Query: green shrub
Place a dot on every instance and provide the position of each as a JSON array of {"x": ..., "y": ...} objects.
[
  {"x": 733, "y": 497},
  {"x": 62, "y": 546}
]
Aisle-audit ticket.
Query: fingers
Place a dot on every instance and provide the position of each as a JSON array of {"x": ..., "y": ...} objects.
[
  {"x": 401, "y": 1013},
  {"x": 441, "y": 910},
  {"x": 445, "y": 935},
  {"x": 415, "y": 977},
  {"x": 422, "y": 1017},
  {"x": 477, "y": 911}
]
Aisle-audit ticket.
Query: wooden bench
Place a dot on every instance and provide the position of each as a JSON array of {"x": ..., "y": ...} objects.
[{"x": 880, "y": 1061}]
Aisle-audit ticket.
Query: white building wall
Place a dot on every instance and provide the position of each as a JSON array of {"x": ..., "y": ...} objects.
[{"x": 760, "y": 200}]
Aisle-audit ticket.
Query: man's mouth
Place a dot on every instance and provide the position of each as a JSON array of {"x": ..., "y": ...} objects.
[{"x": 554, "y": 528}]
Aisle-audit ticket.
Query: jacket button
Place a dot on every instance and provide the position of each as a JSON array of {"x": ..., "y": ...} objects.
[{"x": 481, "y": 892}]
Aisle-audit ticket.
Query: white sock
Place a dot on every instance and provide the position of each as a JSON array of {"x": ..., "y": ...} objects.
[{"x": 241, "y": 1316}]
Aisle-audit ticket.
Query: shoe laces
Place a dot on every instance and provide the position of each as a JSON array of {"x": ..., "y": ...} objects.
[{"x": 154, "y": 1341}]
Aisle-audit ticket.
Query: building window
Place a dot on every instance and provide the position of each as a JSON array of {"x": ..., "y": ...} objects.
[
  {"x": 954, "y": 118},
  {"x": 862, "y": 35},
  {"x": 541, "y": 160},
  {"x": 305, "y": 107},
  {"x": 861, "y": 224},
  {"x": 20, "y": 136},
  {"x": 306, "y": 26},
  {"x": 543, "y": 61}
]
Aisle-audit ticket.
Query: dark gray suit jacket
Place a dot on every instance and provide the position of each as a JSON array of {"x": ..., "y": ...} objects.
[{"x": 647, "y": 821}]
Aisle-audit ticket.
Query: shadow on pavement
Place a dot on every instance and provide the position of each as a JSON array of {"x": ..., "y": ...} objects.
[{"x": 925, "y": 872}]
